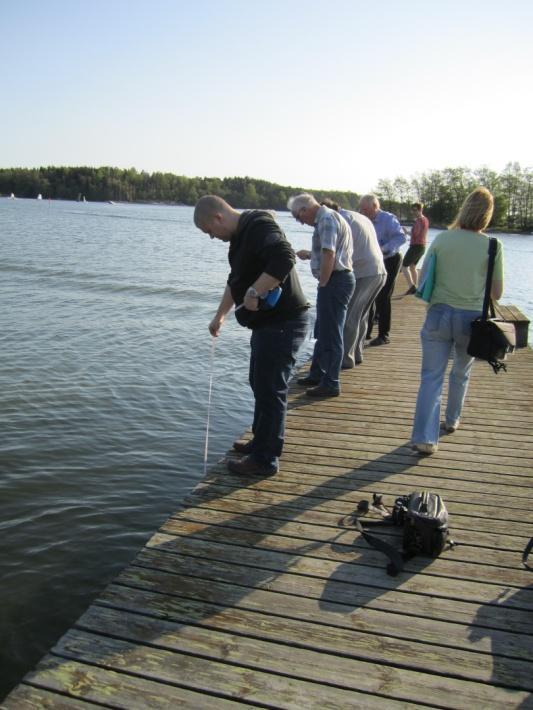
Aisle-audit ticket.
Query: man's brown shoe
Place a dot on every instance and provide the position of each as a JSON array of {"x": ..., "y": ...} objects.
[
  {"x": 243, "y": 447},
  {"x": 248, "y": 466},
  {"x": 322, "y": 391},
  {"x": 380, "y": 340},
  {"x": 307, "y": 381}
]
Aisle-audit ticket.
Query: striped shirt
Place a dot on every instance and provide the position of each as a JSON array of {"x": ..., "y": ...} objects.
[{"x": 331, "y": 232}]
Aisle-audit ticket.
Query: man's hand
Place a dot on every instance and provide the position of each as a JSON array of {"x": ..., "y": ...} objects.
[
  {"x": 251, "y": 303},
  {"x": 303, "y": 254},
  {"x": 216, "y": 325}
]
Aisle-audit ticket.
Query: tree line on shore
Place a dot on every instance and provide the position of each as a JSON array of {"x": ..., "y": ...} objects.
[{"x": 441, "y": 191}]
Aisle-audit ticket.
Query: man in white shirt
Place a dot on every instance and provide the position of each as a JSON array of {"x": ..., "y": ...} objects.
[{"x": 331, "y": 264}]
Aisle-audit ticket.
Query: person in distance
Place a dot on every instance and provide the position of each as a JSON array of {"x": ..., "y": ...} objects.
[{"x": 417, "y": 247}]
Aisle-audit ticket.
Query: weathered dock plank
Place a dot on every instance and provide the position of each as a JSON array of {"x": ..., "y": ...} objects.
[
  {"x": 344, "y": 504},
  {"x": 253, "y": 592}
]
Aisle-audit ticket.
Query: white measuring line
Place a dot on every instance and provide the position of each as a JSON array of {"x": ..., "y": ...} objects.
[{"x": 211, "y": 368}]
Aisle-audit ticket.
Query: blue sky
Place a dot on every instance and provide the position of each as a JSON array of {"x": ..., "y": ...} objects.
[{"x": 312, "y": 94}]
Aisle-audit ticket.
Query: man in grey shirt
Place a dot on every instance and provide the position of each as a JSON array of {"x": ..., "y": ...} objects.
[{"x": 370, "y": 276}]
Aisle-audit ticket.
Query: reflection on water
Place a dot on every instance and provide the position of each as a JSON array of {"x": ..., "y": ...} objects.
[{"x": 103, "y": 394}]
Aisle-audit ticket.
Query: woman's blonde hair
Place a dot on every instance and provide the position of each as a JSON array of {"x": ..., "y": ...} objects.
[{"x": 476, "y": 211}]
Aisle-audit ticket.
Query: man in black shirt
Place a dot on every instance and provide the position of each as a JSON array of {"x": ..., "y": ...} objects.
[{"x": 261, "y": 259}]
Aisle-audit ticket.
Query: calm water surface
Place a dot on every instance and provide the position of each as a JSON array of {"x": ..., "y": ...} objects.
[{"x": 103, "y": 394}]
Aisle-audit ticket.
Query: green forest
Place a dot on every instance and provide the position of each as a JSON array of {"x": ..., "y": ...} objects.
[{"x": 441, "y": 191}]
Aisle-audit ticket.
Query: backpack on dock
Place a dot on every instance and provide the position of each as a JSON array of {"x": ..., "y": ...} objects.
[{"x": 423, "y": 517}]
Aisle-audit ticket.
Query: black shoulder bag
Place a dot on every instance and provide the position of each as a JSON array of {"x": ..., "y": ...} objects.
[
  {"x": 491, "y": 339},
  {"x": 423, "y": 517}
]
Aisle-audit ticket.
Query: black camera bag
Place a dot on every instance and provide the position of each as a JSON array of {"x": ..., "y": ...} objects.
[{"x": 424, "y": 519}]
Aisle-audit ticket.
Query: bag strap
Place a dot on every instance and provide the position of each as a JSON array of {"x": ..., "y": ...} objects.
[
  {"x": 396, "y": 560},
  {"x": 488, "y": 308},
  {"x": 526, "y": 552}
]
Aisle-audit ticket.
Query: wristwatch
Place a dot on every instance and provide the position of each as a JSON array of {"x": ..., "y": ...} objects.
[{"x": 252, "y": 292}]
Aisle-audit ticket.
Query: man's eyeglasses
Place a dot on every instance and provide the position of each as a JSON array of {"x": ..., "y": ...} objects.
[{"x": 298, "y": 214}]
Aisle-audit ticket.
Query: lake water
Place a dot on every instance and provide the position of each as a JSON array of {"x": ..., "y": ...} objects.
[{"x": 103, "y": 394}]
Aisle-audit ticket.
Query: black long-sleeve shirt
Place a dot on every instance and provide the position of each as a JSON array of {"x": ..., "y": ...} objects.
[{"x": 259, "y": 245}]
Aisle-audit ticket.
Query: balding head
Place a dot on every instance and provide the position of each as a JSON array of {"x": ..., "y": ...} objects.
[
  {"x": 207, "y": 207},
  {"x": 216, "y": 217}
]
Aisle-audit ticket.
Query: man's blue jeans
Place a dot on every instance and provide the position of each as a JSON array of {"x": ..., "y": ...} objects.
[
  {"x": 445, "y": 330},
  {"x": 273, "y": 356},
  {"x": 331, "y": 306}
]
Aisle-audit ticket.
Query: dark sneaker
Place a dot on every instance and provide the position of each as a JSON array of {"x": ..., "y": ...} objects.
[
  {"x": 380, "y": 340},
  {"x": 307, "y": 381},
  {"x": 243, "y": 447},
  {"x": 410, "y": 291},
  {"x": 322, "y": 391},
  {"x": 248, "y": 466}
]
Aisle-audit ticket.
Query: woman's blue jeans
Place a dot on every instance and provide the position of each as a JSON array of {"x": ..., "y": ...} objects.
[
  {"x": 272, "y": 359},
  {"x": 446, "y": 331}
]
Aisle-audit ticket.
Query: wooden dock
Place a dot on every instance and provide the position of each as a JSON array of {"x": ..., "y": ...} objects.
[{"x": 251, "y": 593}]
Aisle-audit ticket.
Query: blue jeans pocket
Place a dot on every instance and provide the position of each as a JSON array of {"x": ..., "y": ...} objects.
[
  {"x": 433, "y": 320},
  {"x": 438, "y": 324}
]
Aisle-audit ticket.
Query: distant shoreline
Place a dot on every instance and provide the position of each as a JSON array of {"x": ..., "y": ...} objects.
[
  {"x": 442, "y": 191},
  {"x": 404, "y": 223}
]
